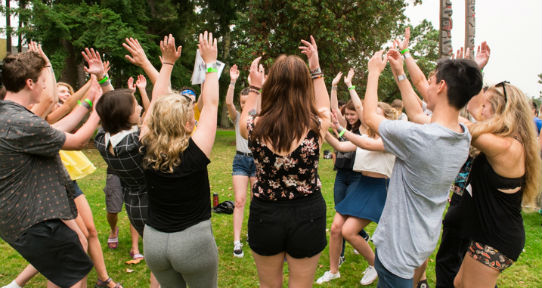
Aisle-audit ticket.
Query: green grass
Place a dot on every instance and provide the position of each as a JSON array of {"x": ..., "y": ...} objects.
[{"x": 234, "y": 272}]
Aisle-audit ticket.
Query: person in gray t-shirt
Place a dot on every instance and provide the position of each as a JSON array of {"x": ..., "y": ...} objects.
[{"x": 429, "y": 155}]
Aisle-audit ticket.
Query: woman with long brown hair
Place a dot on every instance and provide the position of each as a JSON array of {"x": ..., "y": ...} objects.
[
  {"x": 504, "y": 176},
  {"x": 288, "y": 213}
]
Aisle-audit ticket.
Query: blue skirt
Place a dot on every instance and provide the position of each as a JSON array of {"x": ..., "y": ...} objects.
[{"x": 367, "y": 200}]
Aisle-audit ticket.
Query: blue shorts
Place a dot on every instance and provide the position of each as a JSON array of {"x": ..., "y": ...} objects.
[
  {"x": 243, "y": 165},
  {"x": 78, "y": 191}
]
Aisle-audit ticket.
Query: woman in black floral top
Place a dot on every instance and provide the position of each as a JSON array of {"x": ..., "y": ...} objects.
[{"x": 288, "y": 213}]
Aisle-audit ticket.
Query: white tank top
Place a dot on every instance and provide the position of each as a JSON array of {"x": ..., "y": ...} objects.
[{"x": 373, "y": 161}]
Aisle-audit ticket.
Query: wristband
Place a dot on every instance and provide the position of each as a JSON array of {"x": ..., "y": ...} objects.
[
  {"x": 333, "y": 87},
  {"x": 88, "y": 101},
  {"x": 404, "y": 51},
  {"x": 255, "y": 88},
  {"x": 407, "y": 55},
  {"x": 316, "y": 76},
  {"x": 342, "y": 132},
  {"x": 167, "y": 63},
  {"x": 84, "y": 104},
  {"x": 316, "y": 71},
  {"x": 353, "y": 87},
  {"x": 401, "y": 77},
  {"x": 105, "y": 84},
  {"x": 212, "y": 70},
  {"x": 103, "y": 80}
]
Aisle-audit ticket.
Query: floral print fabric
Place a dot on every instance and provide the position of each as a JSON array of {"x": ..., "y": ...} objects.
[{"x": 285, "y": 177}]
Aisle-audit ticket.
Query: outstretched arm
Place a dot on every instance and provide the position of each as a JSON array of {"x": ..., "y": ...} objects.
[
  {"x": 334, "y": 101},
  {"x": 49, "y": 96},
  {"x": 353, "y": 94},
  {"x": 204, "y": 136},
  {"x": 70, "y": 122},
  {"x": 344, "y": 146},
  {"x": 416, "y": 74},
  {"x": 137, "y": 57},
  {"x": 232, "y": 111},
  {"x": 410, "y": 99},
  {"x": 96, "y": 67},
  {"x": 256, "y": 78},
  {"x": 320, "y": 91},
  {"x": 141, "y": 84},
  {"x": 370, "y": 103}
]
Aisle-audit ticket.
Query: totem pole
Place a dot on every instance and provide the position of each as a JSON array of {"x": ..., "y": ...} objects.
[
  {"x": 445, "y": 41},
  {"x": 470, "y": 23}
]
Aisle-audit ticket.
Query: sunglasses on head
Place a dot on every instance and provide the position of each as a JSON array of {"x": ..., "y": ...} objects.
[
  {"x": 187, "y": 93},
  {"x": 503, "y": 84}
]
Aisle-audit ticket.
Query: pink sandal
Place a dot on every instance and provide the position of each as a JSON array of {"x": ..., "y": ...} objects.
[{"x": 113, "y": 243}]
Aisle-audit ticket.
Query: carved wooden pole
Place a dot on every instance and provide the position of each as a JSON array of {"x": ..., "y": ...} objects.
[
  {"x": 470, "y": 25},
  {"x": 445, "y": 41}
]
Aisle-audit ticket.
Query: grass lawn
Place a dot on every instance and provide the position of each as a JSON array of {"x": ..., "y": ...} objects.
[{"x": 235, "y": 272}]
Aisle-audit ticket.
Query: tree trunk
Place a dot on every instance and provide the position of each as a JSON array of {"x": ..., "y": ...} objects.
[
  {"x": 70, "y": 72},
  {"x": 470, "y": 26},
  {"x": 224, "y": 122},
  {"x": 8, "y": 27},
  {"x": 445, "y": 41}
]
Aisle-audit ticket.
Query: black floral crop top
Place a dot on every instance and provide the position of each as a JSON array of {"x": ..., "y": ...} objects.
[{"x": 285, "y": 177}]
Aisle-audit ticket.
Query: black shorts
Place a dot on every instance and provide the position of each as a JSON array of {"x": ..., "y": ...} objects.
[
  {"x": 55, "y": 251},
  {"x": 297, "y": 227}
]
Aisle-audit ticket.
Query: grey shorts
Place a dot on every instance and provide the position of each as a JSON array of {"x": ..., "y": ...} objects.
[{"x": 113, "y": 194}]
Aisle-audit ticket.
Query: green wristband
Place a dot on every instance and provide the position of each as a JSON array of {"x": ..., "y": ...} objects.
[
  {"x": 404, "y": 51},
  {"x": 352, "y": 87},
  {"x": 89, "y": 102},
  {"x": 84, "y": 104},
  {"x": 103, "y": 80},
  {"x": 342, "y": 133},
  {"x": 212, "y": 70}
]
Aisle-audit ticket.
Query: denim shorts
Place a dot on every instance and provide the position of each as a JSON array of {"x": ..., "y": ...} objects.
[
  {"x": 78, "y": 191},
  {"x": 243, "y": 165}
]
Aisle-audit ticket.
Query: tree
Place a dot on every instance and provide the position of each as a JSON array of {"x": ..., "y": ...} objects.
[{"x": 540, "y": 82}]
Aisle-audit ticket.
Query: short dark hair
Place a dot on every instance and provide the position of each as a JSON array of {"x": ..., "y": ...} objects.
[
  {"x": 463, "y": 78},
  {"x": 20, "y": 67},
  {"x": 114, "y": 109}
]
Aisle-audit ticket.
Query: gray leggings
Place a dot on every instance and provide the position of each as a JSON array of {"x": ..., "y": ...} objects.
[{"x": 178, "y": 259}]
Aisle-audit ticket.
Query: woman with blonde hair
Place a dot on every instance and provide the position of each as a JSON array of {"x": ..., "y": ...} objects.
[
  {"x": 179, "y": 245},
  {"x": 505, "y": 175},
  {"x": 288, "y": 213}
]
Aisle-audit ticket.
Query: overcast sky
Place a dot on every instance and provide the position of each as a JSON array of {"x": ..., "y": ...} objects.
[{"x": 513, "y": 30}]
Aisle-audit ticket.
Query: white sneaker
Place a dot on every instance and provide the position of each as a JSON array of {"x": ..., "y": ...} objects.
[
  {"x": 238, "y": 250},
  {"x": 356, "y": 252},
  {"x": 369, "y": 276},
  {"x": 328, "y": 276}
]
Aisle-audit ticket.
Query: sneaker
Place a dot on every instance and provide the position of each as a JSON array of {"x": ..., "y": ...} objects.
[
  {"x": 238, "y": 250},
  {"x": 328, "y": 276},
  {"x": 423, "y": 284},
  {"x": 369, "y": 276},
  {"x": 341, "y": 260}
]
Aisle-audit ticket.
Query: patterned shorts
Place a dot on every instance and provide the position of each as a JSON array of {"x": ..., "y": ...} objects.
[{"x": 489, "y": 256}]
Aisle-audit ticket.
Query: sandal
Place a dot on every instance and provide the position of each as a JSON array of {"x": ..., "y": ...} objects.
[
  {"x": 105, "y": 284},
  {"x": 136, "y": 258},
  {"x": 113, "y": 243}
]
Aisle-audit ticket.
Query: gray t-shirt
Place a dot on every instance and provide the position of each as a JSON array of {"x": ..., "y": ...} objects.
[
  {"x": 33, "y": 184},
  {"x": 428, "y": 159},
  {"x": 240, "y": 143}
]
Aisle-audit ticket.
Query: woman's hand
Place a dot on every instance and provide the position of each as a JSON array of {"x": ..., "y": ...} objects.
[{"x": 311, "y": 50}]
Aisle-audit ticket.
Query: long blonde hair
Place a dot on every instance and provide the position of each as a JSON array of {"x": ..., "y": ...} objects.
[
  {"x": 513, "y": 116},
  {"x": 167, "y": 136}
]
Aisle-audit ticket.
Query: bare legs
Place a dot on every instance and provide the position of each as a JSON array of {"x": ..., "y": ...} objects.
[
  {"x": 270, "y": 270},
  {"x": 240, "y": 190},
  {"x": 350, "y": 232}
]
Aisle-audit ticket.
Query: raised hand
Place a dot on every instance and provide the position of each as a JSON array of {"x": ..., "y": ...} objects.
[
  {"x": 131, "y": 84},
  {"x": 334, "y": 121},
  {"x": 348, "y": 77},
  {"x": 234, "y": 73},
  {"x": 36, "y": 47},
  {"x": 94, "y": 61},
  {"x": 311, "y": 50},
  {"x": 170, "y": 54},
  {"x": 396, "y": 62},
  {"x": 208, "y": 47},
  {"x": 94, "y": 92},
  {"x": 402, "y": 45},
  {"x": 337, "y": 79},
  {"x": 377, "y": 63},
  {"x": 141, "y": 82},
  {"x": 137, "y": 54},
  {"x": 257, "y": 73},
  {"x": 482, "y": 55},
  {"x": 107, "y": 67}
]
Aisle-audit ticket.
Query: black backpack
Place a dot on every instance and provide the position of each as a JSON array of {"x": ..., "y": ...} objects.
[{"x": 225, "y": 207}]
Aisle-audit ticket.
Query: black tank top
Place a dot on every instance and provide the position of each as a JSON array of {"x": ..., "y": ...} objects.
[{"x": 495, "y": 216}]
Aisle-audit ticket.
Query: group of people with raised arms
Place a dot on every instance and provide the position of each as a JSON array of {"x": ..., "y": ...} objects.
[{"x": 391, "y": 171}]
